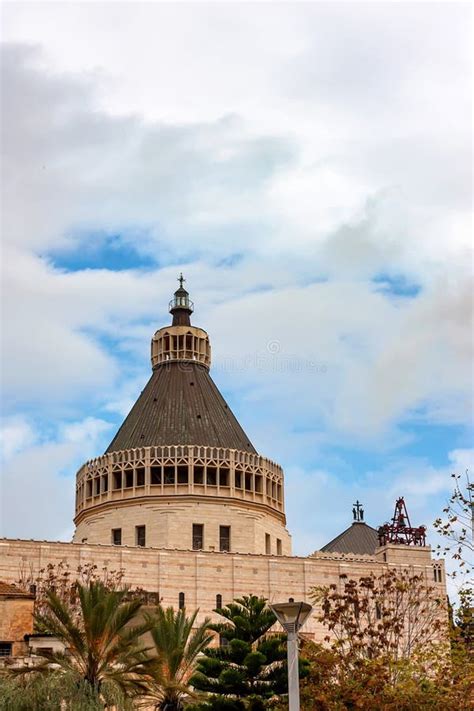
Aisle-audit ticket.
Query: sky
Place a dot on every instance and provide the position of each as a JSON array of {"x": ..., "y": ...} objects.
[{"x": 308, "y": 168}]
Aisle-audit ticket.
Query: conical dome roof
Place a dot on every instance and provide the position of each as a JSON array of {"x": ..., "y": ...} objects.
[
  {"x": 180, "y": 403},
  {"x": 181, "y": 406}
]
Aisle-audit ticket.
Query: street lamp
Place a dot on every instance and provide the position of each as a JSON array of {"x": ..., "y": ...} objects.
[{"x": 292, "y": 615}]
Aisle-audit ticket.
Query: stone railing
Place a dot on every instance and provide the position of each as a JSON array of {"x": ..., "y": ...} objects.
[
  {"x": 180, "y": 343},
  {"x": 179, "y": 470}
]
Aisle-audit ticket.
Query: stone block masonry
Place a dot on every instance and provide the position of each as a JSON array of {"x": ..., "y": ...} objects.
[{"x": 202, "y": 575}]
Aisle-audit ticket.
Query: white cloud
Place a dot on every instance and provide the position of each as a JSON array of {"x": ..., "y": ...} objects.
[
  {"x": 240, "y": 132},
  {"x": 16, "y": 433},
  {"x": 80, "y": 169},
  {"x": 37, "y": 484},
  {"x": 424, "y": 487},
  {"x": 384, "y": 359},
  {"x": 89, "y": 429}
]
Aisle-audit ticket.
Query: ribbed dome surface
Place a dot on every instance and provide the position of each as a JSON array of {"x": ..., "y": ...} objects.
[{"x": 180, "y": 405}]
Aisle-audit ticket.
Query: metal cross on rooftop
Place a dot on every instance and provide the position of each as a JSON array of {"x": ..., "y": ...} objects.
[
  {"x": 358, "y": 511},
  {"x": 181, "y": 279}
]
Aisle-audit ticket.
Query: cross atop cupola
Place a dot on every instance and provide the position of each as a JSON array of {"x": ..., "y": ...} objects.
[{"x": 181, "y": 306}]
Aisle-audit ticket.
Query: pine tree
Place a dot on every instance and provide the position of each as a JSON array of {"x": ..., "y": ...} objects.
[{"x": 248, "y": 668}]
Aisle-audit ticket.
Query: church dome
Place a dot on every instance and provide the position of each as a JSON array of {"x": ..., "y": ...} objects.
[
  {"x": 181, "y": 472},
  {"x": 181, "y": 403}
]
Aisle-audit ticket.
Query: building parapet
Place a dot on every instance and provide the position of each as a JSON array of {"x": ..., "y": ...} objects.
[{"x": 179, "y": 470}]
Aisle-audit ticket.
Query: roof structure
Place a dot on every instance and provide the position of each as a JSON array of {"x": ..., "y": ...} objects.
[
  {"x": 181, "y": 404},
  {"x": 359, "y": 539},
  {"x": 8, "y": 590}
]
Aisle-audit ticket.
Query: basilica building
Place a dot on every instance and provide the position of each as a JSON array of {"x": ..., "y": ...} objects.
[{"x": 183, "y": 503}]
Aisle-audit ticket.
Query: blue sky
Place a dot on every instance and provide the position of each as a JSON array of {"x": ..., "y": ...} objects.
[{"x": 312, "y": 181}]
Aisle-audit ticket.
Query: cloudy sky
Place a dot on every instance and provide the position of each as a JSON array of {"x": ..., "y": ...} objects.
[{"x": 307, "y": 166}]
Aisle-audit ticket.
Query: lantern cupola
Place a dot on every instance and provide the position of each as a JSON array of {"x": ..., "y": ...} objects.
[
  {"x": 181, "y": 341},
  {"x": 180, "y": 306}
]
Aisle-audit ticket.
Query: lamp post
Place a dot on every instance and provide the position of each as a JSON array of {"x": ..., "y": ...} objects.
[{"x": 292, "y": 615}]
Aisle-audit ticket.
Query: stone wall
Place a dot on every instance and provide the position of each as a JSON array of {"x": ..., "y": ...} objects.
[
  {"x": 16, "y": 620},
  {"x": 169, "y": 524},
  {"x": 202, "y": 575}
]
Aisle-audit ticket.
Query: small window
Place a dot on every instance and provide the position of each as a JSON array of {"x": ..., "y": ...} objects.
[
  {"x": 140, "y": 476},
  {"x": 268, "y": 545},
  {"x": 238, "y": 479},
  {"x": 198, "y": 475},
  {"x": 181, "y": 600},
  {"x": 97, "y": 486},
  {"x": 117, "y": 483},
  {"x": 198, "y": 536},
  {"x": 169, "y": 475},
  {"x": 155, "y": 475},
  {"x": 89, "y": 488},
  {"x": 140, "y": 535},
  {"x": 128, "y": 478},
  {"x": 279, "y": 547},
  {"x": 105, "y": 483},
  {"x": 248, "y": 482},
  {"x": 5, "y": 649},
  {"x": 224, "y": 477},
  {"x": 224, "y": 538},
  {"x": 258, "y": 483},
  {"x": 218, "y": 602},
  {"x": 182, "y": 475},
  {"x": 40, "y": 651},
  {"x": 117, "y": 536},
  {"x": 211, "y": 476}
]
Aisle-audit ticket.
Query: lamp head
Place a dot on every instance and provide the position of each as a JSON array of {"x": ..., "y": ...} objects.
[{"x": 291, "y": 615}]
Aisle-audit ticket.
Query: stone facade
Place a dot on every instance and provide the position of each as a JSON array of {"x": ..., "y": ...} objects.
[
  {"x": 180, "y": 343},
  {"x": 167, "y": 489},
  {"x": 169, "y": 523},
  {"x": 202, "y": 575},
  {"x": 181, "y": 462},
  {"x": 16, "y": 619}
]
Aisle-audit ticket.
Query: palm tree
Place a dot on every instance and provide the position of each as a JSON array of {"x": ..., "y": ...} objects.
[
  {"x": 177, "y": 649},
  {"x": 103, "y": 652}
]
